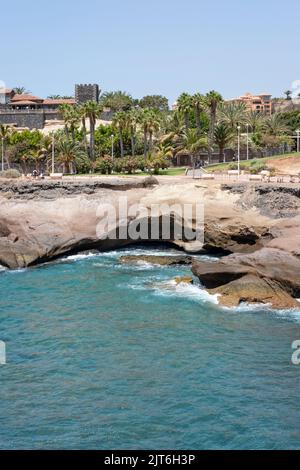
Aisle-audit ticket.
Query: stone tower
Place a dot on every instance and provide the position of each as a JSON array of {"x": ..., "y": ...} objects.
[{"x": 84, "y": 93}]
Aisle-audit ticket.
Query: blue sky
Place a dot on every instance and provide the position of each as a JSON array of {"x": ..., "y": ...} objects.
[{"x": 158, "y": 46}]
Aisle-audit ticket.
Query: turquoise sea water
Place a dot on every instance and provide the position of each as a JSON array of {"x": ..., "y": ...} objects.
[{"x": 104, "y": 355}]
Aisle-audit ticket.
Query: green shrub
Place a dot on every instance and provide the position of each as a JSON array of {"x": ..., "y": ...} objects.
[
  {"x": 83, "y": 165},
  {"x": 256, "y": 169},
  {"x": 272, "y": 170},
  {"x": 233, "y": 166},
  {"x": 156, "y": 162},
  {"x": 256, "y": 166},
  {"x": 103, "y": 165},
  {"x": 118, "y": 165},
  {"x": 141, "y": 162},
  {"x": 11, "y": 173},
  {"x": 130, "y": 164}
]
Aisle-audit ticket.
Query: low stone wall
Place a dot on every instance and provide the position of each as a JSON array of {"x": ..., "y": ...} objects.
[{"x": 30, "y": 119}]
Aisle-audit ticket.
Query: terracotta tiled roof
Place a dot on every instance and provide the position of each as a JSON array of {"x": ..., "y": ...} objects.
[
  {"x": 24, "y": 102},
  {"x": 59, "y": 101},
  {"x": 5, "y": 91},
  {"x": 25, "y": 97}
]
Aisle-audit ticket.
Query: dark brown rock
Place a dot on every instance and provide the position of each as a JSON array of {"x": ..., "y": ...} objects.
[
  {"x": 253, "y": 289},
  {"x": 272, "y": 273},
  {"x": 161, "y": 260}
]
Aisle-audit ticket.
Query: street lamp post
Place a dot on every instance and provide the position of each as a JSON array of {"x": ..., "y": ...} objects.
[
  {"x": 53, "y": 152},
  {"x": 247, "y": 125},
  {"x": 298, "y": 138},
  {"x": 238, "y": 129},
  {"x": 112, "y": 146},
  {"x": 2, "y": 162}
]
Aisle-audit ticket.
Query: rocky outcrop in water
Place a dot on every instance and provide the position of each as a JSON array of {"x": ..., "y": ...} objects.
[
  {"x": 160, "y": 260},
  {"x": 40, "y": 221},
  {"x": 51, "y": 189},
  {"x": 42, "y": 228},
  {"x": 270, "y": 275},
  {"x": 272, "y": 200}
]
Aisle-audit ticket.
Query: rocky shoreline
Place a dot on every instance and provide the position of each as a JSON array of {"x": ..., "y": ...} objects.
[{"x": 255, "y": 228}]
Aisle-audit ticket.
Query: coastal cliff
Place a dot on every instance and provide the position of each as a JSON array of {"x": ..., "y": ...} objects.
[{"x": 255, "y": 229}]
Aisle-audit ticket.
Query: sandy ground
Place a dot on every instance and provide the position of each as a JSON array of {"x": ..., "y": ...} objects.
[
  {"x": 286, "y": 166},
  {"x": 53, "y": 126}
]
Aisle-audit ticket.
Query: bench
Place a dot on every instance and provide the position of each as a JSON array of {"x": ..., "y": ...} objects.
[
  {"x": 233, "y": 172},
  {"x": 207, "y": 176},
  {"x": 56, "y": 176},
  {"x": 255, "y": 177}
]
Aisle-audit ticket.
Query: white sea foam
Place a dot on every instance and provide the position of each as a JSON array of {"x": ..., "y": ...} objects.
[
  {"x": 248, "y": 307},
  {"x": 195, "y": 292},
  {"x": 139, "y": 252},
  {"x": 153, "y": 251},
  {"x": 80, "y": 256},
  {"x": 289, "y": 314},
  {"x": 16, "y": 271},
  {"x": 144, "y": 265},
  {"x": 185, "y": 290}
]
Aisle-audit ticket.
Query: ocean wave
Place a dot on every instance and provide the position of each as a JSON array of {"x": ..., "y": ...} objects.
[
  {"x": 157, "y": 252},
  {"x": 245, "y": 307},
  {"x": 139, "y": 252},
  {"x": 291, "y": 313},
  {"x": 183, "y": 289},
  {"x": 143, "y": 265},
  {"x": 80, "y": 256},
  {"x": 198, "y": 293},
  {"x": 140, "y": 264},
  {"x": 15, "y": 271}
]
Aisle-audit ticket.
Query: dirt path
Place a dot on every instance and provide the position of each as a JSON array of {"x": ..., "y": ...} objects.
[{"x": 286, "y": 166}]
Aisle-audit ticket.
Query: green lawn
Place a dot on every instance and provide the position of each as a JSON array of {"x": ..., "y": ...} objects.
[
  {"x": 247, "y": 163},
  {"x": 169, "y": 172}
]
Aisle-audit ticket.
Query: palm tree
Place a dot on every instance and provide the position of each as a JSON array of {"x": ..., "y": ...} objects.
[
  {"x": 73, "y": 120},
  {"x": 255, "y": 120},
  {"x": 222, "y": 136},
  {"x": 69, "y": 154},
  {"x": 198, "y": 103},
  {"x": 41, "y": 154},
  {"x": 144, "y": 122},
  {"x": 185, "y": 106},
  {"x": 82, "y": 115},
  {"x": 133, "y": 118},
  {"x": 275, "y": 126},
  {"x": 233, "y": 115},
  {"x": 191, "y": 143},
  {"x": 212, "y": 101},
  {"x": 164, "y": 150},
  {"x": 116, "y": 100},
  {"x": 66, "y": 111},
  {"x": 92, "y": 111},
  {"x": 120, "y": 122},
  {"x": 174, "y": 123},
  {"x": 5, "y": 133},
  {"x": 288, "y": 94},
  {"x": 20, "y": 90},
  {"x": 60, "y": 97},
  {"x": 153, "y": 126},
  {"x": 25, "y": 158}
]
